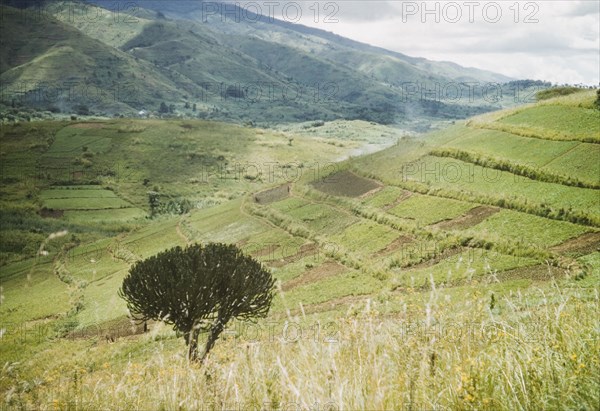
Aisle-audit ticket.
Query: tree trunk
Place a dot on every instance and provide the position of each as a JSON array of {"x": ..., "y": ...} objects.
[
  {"x": 192, "y": 341},
  {"x": 215, "y": 331}
]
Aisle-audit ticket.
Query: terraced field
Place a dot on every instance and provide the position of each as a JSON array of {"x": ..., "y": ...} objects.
[
  {"x": 559, "y": 120},
  {"x": 88, "y": 205},
  {"x": 85, "y": 198},
  {"x": 398, "y": 237},
  {"x": 563, "y": 158},
  {"x": 429, "y": 209}
]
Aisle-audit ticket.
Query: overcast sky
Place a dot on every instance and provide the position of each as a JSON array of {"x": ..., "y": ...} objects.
[{"x": 558, "y": 41}]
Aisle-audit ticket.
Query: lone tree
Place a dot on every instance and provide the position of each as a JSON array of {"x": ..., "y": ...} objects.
[
  {"x": 163, "y": 108},
  {"x": 153, "y": 202},
  {"x": 198, "y": 289}
]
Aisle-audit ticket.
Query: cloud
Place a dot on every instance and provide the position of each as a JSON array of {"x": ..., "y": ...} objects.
[
  {"x": 356, "y": 11},
  {"x": 584, "y": 8},
  {"x": 561, "y": 40},
  {"x": 554, "y": 68}
]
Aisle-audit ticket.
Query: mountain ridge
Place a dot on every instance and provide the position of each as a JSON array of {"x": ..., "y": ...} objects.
[{"x": 263, "y": 74}]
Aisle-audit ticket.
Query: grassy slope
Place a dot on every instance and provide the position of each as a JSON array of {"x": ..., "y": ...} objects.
[
  {"x": 394, "y": 309},
  {"x": 104, "y": 77}
]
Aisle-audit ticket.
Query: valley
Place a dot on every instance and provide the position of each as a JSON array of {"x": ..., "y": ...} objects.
[{"x": 430, "y": 232}]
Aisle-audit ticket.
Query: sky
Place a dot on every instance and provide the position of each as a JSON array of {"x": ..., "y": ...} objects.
[{"x": 557, "y": 41}]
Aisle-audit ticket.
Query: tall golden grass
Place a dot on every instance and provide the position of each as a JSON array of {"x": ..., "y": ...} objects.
[{"x": 448, "y": 351}]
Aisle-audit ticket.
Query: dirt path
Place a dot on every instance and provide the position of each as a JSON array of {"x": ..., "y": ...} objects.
[
  {"x": 404, "y": 196},
  {"x": 394, "y": 245},
  {"x": 371, "y": 192},
  {"x": 473, "y": 217},
  {"x": 584, "y": 244},
  {"x": 111, "y": 330}
]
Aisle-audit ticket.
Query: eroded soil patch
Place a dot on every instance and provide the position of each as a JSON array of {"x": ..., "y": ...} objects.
[
  {"x": 51, "y": 213},
  {"x": 347, "y": 184},
  {"x": 273, "y": 194},
  {"x": 584, "y": 244},
  {"x": 394, "y": 245},
  {"x": 473, "y": 217}
]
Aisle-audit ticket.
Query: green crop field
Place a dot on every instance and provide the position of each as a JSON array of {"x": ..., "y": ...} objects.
[
  {"x": 510, "y": 146},
  {"x": 107, "y": 215},
  {"x": 76, "y": 192},
  {"x": 569, "y": 122},
  {"x": 428, "y": 209},
  {"x": 528, "y": 228},
  {"x": 579, "y": 162},
  {"x": 322, "y": 218},
  {"x": 331, "y": 288},
  {"x": 74, "y": 142},
  {"x": 467, "y": 265},
  {"x": 386, "y": 197},
  {"x": 458, "y": 176},
  {"x": 85, "y": 203},
  {"x": 365, "y": 237}
]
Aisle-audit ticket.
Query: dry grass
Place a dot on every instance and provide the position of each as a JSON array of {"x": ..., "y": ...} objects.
[{"x": 442, "y": 352}]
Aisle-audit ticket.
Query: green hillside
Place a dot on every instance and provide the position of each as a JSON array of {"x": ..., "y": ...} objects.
[
  {"x": 136, "y": 59},
  {"x": 37, "y": 70},
  {"x": 456, "y": 270}
]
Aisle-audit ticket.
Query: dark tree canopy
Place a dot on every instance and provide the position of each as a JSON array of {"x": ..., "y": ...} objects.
[
  {"x": 199, "y": 288},
  {"x": 163, "y": 108}
]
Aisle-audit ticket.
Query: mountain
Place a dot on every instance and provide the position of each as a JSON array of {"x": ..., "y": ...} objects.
[
  {"x": 221, "y": 16},
  {"x": 166, "y": 52}
]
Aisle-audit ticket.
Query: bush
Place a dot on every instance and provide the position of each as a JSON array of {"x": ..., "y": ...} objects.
[
  {"x": 82, "y": 110},
  {"x": 556, "y": 92}
]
